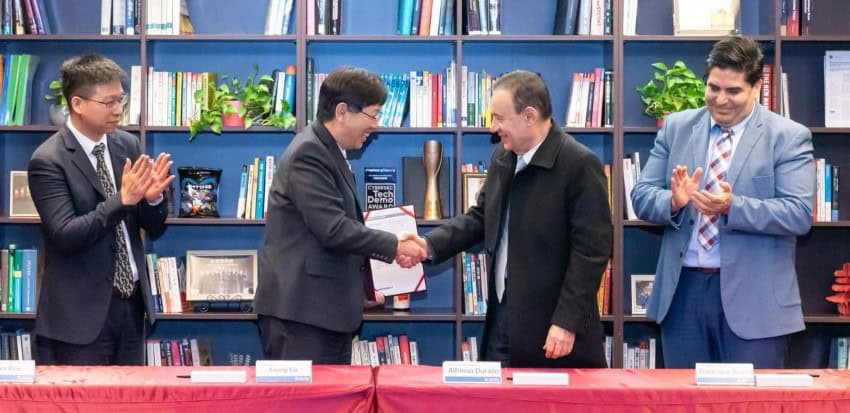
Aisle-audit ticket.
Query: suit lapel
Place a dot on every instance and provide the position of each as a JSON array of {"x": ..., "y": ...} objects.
[
  {"x": 336, "y": 156},
  {"x": 700, "y": 144},
  {"x": 117, "y": 155},
  {"x": 750, "y": 135},
  {"x": 80, "y": 159}
]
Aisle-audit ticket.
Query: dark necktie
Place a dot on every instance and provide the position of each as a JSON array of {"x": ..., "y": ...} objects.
[{"x": 123, "y": 271}]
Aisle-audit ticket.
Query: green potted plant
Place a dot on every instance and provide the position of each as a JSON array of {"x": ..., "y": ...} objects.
[
  {"x": 58, "y": 111},
  {"x": 233, "y": 103},
  {"x": 672, "y": 89}
]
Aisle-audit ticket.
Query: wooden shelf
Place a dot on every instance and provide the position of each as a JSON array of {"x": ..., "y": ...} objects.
[
  {"x": 816, "y": 38},
  {"x": 379, "y": 38},
  {"x": 534, "y": 38},
  {"x": 825, "y": 130},
  {"x": 214, "y": 221},
  {"x": 640, "y": 129},
  {"x": 672, "y": 38},
  {"x": 69, "y": 37},
  {"x": 406, "y": 130},
  {"x": 639, "y": 223},
  {"x": 468, "y": 129},
  {"x": 826, "y": 318},
  {"x": 20, "y": 221},
  {"x": 17, "y": 316},
  {"x": 252, "y": 129},
  {"x": 836, "y": 224},
  {"x": 207, "y": 316},
  {"x": 628, "y": 318},
  {"x": 385, "y": 314},
  {"x": 222, "y": 38}
]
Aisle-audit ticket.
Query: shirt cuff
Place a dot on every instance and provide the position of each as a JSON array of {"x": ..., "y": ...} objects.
[{"x": 158, "y": 201}]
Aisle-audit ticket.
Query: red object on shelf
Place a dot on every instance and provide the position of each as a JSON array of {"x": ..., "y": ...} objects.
[{"x": 841, "y": 287}]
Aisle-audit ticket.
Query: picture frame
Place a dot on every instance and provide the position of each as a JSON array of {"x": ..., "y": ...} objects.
[
  {"x": 706, "y": 18},
  {"x": 20, "y": 199},
  {"x": 221, "y": 275},
  {"x": 641, "y": 287},
  {"x": 472, "y": 184}
]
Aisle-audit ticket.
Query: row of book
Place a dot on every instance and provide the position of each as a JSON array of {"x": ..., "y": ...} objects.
[
  {"x": 178, "y": 352},
  {"x": 15, "y": 101},
  {"x": 162, "y": 17},
  {"x": 590, "y": 104},
  {"x": 838, "y": 353},
  {"x": 807, "y": 17},
  {"x": 426, "y": 17},
  {"x": 255, "y": 181},
  {"x": 124, "y": 16},
  {"x": 584, "y": 17},
  {"x": 171, "y": 99},
  {"x": 18, "y": 279},
  {"x": 483, "y": 17},
  {"x": 630, "y": 12},
  {"x": 474, "y": 278},
  {"x": 168, "y": 284},
  {"x": 24, "y": 17},
  {"x": 603, "y": 293},
  {"x": 826, "y": 194},
  {"x": 469, "y": 349},
  {"x": 324, "y": 17},
  {"x": 766, "y": 96},
  {"x": 631, "y": 175},
  {"x": 473, "y": 167},
  {"x": 278, "y": 16},
  {"x": 387, "y": 349},
  {"x": 640, "y": 355},
  {"x": 16, "y": 345}
]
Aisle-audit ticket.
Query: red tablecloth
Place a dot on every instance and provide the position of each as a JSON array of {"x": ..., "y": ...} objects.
[
  {"x": 420, "y": 389},
  {"x": 159, "y": 390}
]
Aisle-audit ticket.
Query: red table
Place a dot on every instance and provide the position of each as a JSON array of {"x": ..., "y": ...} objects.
[
  {"x": 420, "y": 389},
  {"x": 159, "y": 390}
]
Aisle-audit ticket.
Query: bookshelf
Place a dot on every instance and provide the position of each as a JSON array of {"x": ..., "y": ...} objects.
[{"x": 229, "y": 40}]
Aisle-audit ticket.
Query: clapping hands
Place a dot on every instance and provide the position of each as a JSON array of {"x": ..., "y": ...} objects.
[{"x": 412, "y": 249}]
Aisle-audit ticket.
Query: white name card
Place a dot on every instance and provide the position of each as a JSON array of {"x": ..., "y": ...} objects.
[
  {"x": 219, "y": 376},
  {"x": 17, "y": 371},
  {"x": 487, "y": 372},
  {"x": 289, "y": 371},
  {"x": 541, "y": 378},
  {"x": 725, "y": 374},
  {"x": 784, "y": 380}
]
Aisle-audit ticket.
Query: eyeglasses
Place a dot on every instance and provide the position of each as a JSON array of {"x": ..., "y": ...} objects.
[
  {"x": 357, "y": 109},
  {"x": 110, "y": 104}
]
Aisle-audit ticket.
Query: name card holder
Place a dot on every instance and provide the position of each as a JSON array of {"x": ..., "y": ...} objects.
[
  {"x": 465, "y": 372},
  {"x": 219, "y": 376},
  {"x": 725, "y": 374},
  {"x": 541, "y": 378},
  {"x": 17, "y": 371},
  {"x": 286, "y": 371}
]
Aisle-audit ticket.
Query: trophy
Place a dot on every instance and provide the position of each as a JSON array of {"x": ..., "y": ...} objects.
[{"x": 432, "y": 158}]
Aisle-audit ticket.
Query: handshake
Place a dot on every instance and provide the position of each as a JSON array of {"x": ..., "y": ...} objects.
[{"x": 412, "y": 249}]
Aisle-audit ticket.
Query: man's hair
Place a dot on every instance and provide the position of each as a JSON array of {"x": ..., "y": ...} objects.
[
  {"x": 738, "y": 53},
  {"x": 355, "y": 86},
  {"x": 528, "y": 89},
  {"x": 81, "y": 74}
]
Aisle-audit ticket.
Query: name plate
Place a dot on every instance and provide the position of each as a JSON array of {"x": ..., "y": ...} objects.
[
  {"x": 17, "y": 371},
  {"x": 725, "y": 374},
  {"x": 486, "y": 372},
  {"x": 288, "y": 371},
  {"x": 219, "y": 376},
  {"x": 541, "y": 378}
]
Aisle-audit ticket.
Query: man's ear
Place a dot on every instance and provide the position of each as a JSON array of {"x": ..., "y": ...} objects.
[{"x": 340, "y": 109}]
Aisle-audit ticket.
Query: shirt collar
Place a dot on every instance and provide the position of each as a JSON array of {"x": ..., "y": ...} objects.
[
  {"x": 528, "y": 156},
  {"x": 738, "y": 128},
  {"x": 86, "y": 143}
]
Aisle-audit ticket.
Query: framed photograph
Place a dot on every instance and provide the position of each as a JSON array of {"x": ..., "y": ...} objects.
[
  {"x": 706, "y": 18},
  {"x": 221, "y": 275},
  {"x": 20, "y": 199},
  {"x": 641, "y": 289},
  {"x": 472, "y": 184}
]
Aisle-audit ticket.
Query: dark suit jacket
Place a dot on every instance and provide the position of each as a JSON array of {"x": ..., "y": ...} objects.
[
  {"x": 559, "y": 245},
  {"x": 78, "y": 226},
  {"x": 316, "y": 248}
]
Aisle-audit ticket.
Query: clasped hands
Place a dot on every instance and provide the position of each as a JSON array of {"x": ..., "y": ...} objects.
[
  {"x": 412, "y": 249},
  {"x": 145, "y": 178},
  {"x": 686, "y": 189}
]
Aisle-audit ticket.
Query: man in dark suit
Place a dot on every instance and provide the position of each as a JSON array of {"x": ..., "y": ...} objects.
[
  {"x": 93, "y": 201},
  {"x": 544, "y": 218},
  {"x": 316, "y": 249}
]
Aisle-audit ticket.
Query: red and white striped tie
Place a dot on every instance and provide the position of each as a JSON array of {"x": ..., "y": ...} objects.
[{"x": 709, "y": 233}]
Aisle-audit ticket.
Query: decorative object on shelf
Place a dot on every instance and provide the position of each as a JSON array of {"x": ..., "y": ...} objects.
[
  {"x": 58, "y": 111},
  {"x": 380, "y": 183},
  {"x": 20, "y": 199},
  {"x": 185, "y": 23},
  {"x": 232, "y": 118},
  {"x": 221, "y": 275},
  {"x": 671, "y": 90},
  {"x": 255, "y": 104},
  {"x": 641, "y": 289},
  {"x": 198, "y": 192},
  {"x": 841, "y": 287},
  {"x": 401, "y": 302},
  {"x": 432, "y": 157},
  {"x": 472, "y": 184},
  {"x": 706, "y": 18},
  {"x": 413, "y": 183}
]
